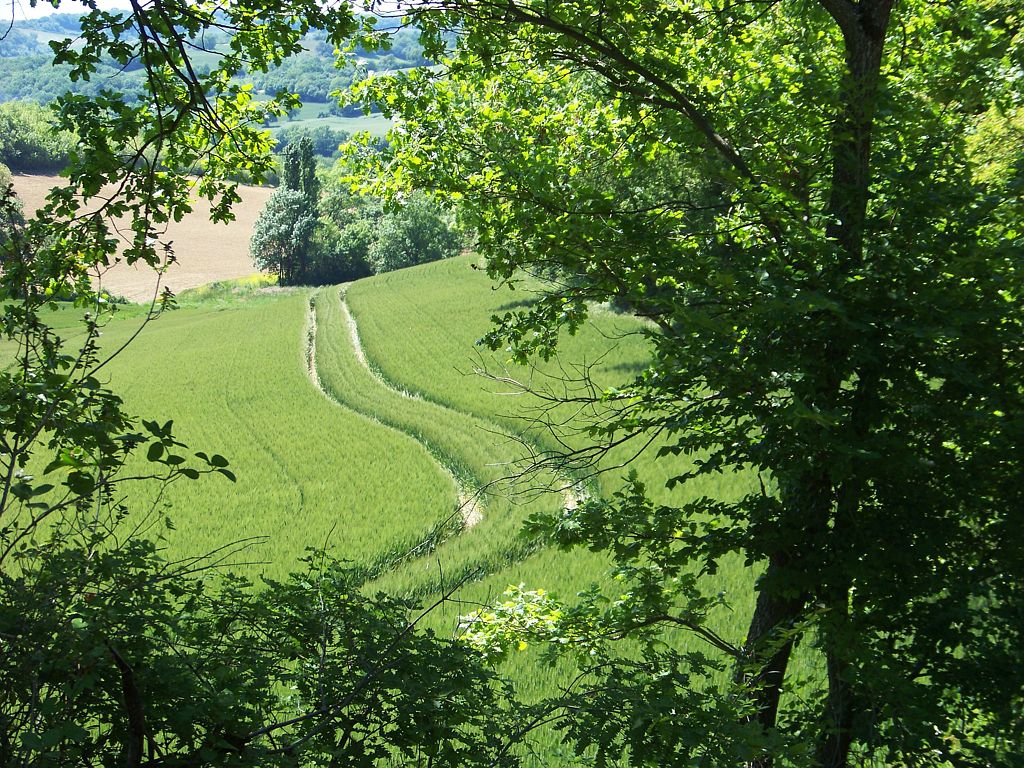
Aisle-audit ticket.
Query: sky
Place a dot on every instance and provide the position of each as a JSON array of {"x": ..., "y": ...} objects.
[{"x": 22, "y": 9}]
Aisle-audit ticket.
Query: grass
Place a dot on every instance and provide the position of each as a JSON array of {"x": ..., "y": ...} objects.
[
  {"x": 309, "y": 115},
  {"x": 419, "y": 327},
  {"x": 367, "y": 464},
  {"x": 232, "y": 373},
  {"x": 472, "y": 449}
]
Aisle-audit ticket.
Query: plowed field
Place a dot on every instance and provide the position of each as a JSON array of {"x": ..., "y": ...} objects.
[{"x": 205, "y": 252}]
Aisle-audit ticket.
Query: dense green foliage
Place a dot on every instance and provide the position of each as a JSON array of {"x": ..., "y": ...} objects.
[
  {"x": 309, "y": 238},
  {"x": 416, "y": 232},
  {"x": 347, "y": 231},
  {"x": 326, "y": 140},
  {"x": 283, "y": 235},
  {"x": 800, "y": 200},
  {"x": 11, "y": 211},
  {"x": 35, "y": 78},
  {"x": 128, "y": 659},
  {"x": 834, "y": 289},
  {"x": 29, "y": 141}
]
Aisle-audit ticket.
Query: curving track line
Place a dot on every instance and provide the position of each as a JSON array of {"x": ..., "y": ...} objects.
[
  {"x": 573, "y": 495},
  {"x": 469, "y": 508}
]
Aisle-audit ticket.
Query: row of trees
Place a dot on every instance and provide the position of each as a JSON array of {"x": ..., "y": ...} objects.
[
  {"x": 309, "y": 237},
  {"x": 326, "y": 140}
]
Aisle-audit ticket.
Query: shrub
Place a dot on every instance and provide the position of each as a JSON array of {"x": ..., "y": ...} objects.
[{"x": 418, "y": 232}]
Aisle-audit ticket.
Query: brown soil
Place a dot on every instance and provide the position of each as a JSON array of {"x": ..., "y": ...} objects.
[{"x": 205, "y": 252}]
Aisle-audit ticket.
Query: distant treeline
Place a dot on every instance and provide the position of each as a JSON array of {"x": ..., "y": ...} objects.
[
  {"x": 26, "y": 72},
  {"x": 28, "y": 143}
]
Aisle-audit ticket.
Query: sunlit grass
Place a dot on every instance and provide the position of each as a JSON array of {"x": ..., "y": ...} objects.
[
  {"x": 367, "y": 469},
  {"x": 419, "y": 328},
  {"x": 233, "y": 377}
]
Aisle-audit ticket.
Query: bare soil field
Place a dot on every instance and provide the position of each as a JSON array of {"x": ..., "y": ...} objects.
[{"x": 205, "y": 252}]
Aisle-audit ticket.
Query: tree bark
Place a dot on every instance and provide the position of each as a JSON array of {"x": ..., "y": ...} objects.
[
  {"x": 763, "y": 670},
  {"x": 833, "y": 750},
  {"x": 864, "y": 25}
]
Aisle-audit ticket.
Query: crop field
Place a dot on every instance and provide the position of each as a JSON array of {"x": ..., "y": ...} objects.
[
  {"x": 313, "y": 114},
  {"x": 471, "y": 449},
  {"x": 353, "y": 418},
  {"x": 205, "y": 251},
  {"x": 231, "y": 371},
  {"x": 419, "y": 327}
]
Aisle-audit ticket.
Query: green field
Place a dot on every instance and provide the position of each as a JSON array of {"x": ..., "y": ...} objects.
[
  {"x": 233, "y": 376},
  {"x": 309, "y": 116},
  {"x": 354, "y": 418}
]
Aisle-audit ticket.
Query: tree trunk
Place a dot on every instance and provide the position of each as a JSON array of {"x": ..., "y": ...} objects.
[
  {"x": 833, "y": 748},
  {"x": 864, "y": 25},
  {"x": 768, "y": 650}
]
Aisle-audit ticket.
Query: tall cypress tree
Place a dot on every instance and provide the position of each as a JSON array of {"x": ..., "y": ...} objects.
[
  {"x": 298, "y": 173},
  {"x": 309, "y": 184}
]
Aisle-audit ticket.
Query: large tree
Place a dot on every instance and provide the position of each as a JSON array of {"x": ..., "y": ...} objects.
[
  {"x": 785, "y": 190},
  {"x": 282, "y": 237}
]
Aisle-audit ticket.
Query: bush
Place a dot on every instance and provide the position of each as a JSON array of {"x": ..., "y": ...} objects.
[
  {"x": 418, "y": 232},
  {"x": 342, "y": 251},
  {"x": 28, "y": 140}
]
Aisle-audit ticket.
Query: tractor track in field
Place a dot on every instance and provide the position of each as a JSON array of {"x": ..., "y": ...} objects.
[
  {"x": 345, "y": 340},
  {"x": 469, "y": 509},
  {"x": 572, "y": 497}
]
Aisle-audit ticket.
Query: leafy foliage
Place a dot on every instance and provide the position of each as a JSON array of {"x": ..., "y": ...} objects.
[
  {"x": 111, "y": 653},
  {"x": 413, "y": 233},
  {"x": 11, "y": 210},
  {"x": 348, "y": 228},
  {"x": 784, "y": 192},
  {"x": 28, "y": 140},
  {"x": 132, "y": 659},
  {"x": 326, "y": 140},
  {"x": 282, "y": 235}
]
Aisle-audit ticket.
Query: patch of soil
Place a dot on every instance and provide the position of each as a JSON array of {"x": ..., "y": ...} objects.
[
  {"x": 470, "y": 509},
  {"x": 205, "y": 252}
]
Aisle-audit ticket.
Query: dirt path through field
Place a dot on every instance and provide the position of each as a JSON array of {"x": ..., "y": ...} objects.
[
  {"x": 205, "y": 252},
  {"x": 470, "y": 509}
]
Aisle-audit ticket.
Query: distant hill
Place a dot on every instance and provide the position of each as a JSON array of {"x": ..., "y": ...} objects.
[{"x": 26, "y": 72}]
